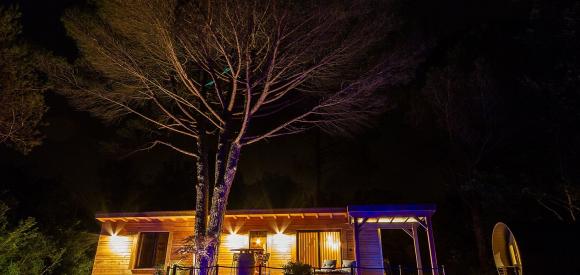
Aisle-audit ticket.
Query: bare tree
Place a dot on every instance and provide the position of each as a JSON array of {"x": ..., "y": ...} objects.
[
  {"x": 562, "y": 202},
  {"x": 226, "y": 74},
  {"x": 467, "y": 108}
]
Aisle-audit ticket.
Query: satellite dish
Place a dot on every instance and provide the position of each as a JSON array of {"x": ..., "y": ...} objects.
[{"x": 506, "y": 253}]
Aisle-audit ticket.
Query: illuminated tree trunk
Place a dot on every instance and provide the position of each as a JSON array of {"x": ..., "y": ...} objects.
[
  {"x": 227, "y": 156},
  {"x": 201, "y": 204}
]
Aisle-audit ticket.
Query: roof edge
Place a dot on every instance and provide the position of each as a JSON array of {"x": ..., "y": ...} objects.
[{"x": 191, "y": 213}]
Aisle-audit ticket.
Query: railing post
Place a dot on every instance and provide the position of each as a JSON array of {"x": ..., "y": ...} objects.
[
  {"x": 400, "y": 270},
  {"x": 167, "y": 270},
  {"x": 174, "y": 269},
  {"x": 443, "y": 269}
]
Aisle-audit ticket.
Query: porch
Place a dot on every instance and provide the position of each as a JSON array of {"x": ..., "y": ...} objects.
[{"x": 310, "y": 236}]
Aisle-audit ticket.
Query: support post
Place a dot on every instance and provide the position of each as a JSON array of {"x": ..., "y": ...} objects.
[
  {"x": 417, "y": 247},
  {"x": 356, "y": 226},
  {"x": 432, "y": 251}
]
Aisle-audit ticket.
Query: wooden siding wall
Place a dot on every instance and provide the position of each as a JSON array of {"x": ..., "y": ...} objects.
[
  {"x": 371, "y": 248},
  {"x": 120, "y": 260},
  {"x": 115, "y": 255},
  {"x": 113, "y": 258}
]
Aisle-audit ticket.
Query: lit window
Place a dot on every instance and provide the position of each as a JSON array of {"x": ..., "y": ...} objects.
[
  {"x": 258, "y": 239},
  {"x": 152, "y": 247},
  {"x": 315, "y": 247}
]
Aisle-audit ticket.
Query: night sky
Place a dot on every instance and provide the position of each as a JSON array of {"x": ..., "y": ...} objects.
[{"x": 404, "y": 157}]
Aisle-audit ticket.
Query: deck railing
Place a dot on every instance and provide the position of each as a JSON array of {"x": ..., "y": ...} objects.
[
  {"x": 267, "y": 270},
  {"x": 509, "y": 270}
]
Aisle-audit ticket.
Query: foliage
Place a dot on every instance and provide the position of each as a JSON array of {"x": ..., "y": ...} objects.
[
  {"x": 159, "y": 270},
  {"x": 297, "y": 268},
  {"x": 21, "y": 88},
  {"x": 24, "y": 249},
  {"x": 79, "y": 251}
]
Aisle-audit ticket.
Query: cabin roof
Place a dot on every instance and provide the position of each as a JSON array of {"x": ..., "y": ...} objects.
[
  {"x": 236, "y": 213},
  {"x": 355, "y": 211}
]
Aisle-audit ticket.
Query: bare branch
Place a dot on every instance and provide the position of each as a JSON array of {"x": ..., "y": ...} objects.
[{"x": 158, "y": 142}]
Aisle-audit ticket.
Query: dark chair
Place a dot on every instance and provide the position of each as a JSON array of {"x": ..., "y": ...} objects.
[
  {"x": 347, "y": 266},
  {"x": 327, "y": 267}
]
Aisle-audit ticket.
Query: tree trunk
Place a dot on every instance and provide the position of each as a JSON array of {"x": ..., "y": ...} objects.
[
  {"x": 226, "y": 165},
  {"x": 201, "y": 204},
  {"x": 480, "y": 239}
]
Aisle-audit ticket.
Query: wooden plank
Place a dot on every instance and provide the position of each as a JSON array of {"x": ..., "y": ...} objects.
[{"x": 108, "y": 261}]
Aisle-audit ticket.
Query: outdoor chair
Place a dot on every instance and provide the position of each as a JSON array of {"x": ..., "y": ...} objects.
[
  {"x": 262, "y": 260},
  {"x": 347, "y": 265},
  {"x": 329, "y": 267}
]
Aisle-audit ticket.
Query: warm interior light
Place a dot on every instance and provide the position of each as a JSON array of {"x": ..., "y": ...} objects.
[
  {"x": 120, "y": 244},
  {"x": 332, "y": 243}
]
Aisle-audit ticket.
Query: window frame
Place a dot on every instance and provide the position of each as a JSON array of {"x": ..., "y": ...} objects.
[
  {"x": 258, "y": 231},
  {"x": 340, "y": 233},
  {"x": 136, "y": 249}
]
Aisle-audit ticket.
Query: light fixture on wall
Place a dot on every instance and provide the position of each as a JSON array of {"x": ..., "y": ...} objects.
[
  {"x": 236, "y": 241},
  {"x": 282, "y": 242},
  {"x": 120, "y": 244}
]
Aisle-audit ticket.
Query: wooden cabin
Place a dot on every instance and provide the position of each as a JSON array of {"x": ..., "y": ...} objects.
[{"x": 138, "y": 243}]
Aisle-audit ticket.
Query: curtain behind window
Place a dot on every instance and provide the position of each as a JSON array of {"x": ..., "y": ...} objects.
[
  {"x": 308, "y": 248},
  {"x": 330, "y": 246},
  {"x": 315, "y": 247}
]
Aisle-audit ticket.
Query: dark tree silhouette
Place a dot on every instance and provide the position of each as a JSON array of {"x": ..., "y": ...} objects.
[{"x": 21, "y": 90}]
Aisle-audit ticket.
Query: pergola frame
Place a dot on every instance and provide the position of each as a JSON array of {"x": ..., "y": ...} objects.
[{"x": 407, "y": 217}]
